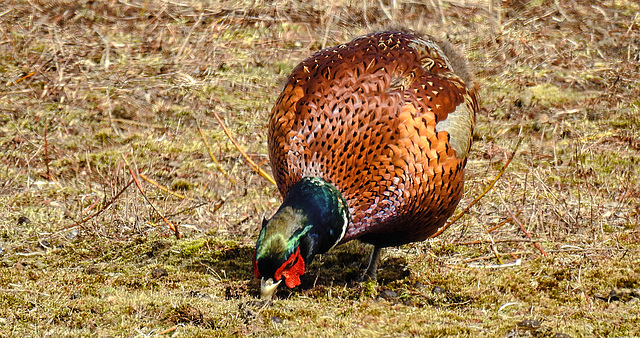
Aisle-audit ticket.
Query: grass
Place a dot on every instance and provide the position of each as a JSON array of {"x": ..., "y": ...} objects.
[{"x": 90, "y": 91}]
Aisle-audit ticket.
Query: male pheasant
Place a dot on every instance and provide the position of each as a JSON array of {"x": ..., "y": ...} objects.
[{"x": 367, "y": 141}]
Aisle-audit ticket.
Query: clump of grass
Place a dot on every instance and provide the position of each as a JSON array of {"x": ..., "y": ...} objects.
[{"x": 548, "y": 94}]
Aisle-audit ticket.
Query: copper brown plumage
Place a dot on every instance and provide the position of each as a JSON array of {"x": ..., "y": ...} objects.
[
  {"x": 386, "y": 119},
  {"x": 363, "y": 116}
]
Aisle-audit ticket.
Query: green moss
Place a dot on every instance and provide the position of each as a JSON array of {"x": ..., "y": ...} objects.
[
  {"x": 623, "y": 123},
  {"x": 104, "y": 136},
  {"x": 369, "y": 289},
  {"x": 548, "y": 94},
  {"x": 190, "y": 247},
  {"x": 181, "y": 185}
]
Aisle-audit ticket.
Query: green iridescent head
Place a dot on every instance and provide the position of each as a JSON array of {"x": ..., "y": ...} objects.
[{"x": 312, "y": 218}]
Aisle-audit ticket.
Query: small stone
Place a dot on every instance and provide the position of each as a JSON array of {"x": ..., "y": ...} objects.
[
  {"x": 613, "y": 296},
  {"x": 198, "y": 294},
  {"x": 438, "y": 290},
  {"x": 91, "y": 270},
  {"x": 529, "y": 324},
  {"x": 158, "y": 272},
  {"x": 72, "y": 234},
  {"x": 276, "y": 320},
  {"x": 562, "y": 335},
  {"x": 186, "y": 313},
  {"x": 418, "y": 285},
  {"x": 388, "y": 294}
]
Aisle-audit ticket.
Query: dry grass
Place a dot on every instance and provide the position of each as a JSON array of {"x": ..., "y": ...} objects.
[{"x": 91, "y": 93}]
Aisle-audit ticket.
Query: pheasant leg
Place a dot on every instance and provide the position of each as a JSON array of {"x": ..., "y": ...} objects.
[{"x": 370, "y": 273}]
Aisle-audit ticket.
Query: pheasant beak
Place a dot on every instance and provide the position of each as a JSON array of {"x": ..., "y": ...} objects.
[{"x": 268, "y": 288}]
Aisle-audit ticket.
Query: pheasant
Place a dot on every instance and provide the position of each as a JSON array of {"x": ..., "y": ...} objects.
[{"x": 369, "y": 141}]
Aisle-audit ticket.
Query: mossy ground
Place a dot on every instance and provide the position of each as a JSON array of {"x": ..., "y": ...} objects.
[{"x": 91, "y": 92}]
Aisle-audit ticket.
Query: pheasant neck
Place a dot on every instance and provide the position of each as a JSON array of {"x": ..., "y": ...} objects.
[
  {"x": 312, "y": 218},
  {"x": 326, "y": 212}
]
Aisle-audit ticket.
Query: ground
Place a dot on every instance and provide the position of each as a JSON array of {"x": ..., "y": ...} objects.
[{"x": 108, "y": 134}]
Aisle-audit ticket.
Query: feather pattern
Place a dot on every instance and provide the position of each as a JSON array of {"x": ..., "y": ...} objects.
[{"x": 388, "y": 121}]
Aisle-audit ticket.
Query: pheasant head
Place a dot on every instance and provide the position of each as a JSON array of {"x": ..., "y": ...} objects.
[{"x": 311, "y": 220}]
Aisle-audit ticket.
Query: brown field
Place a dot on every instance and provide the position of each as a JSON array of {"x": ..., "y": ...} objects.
[{"x": 94, "y": 94}]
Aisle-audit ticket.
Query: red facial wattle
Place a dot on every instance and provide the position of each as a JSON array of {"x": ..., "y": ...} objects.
[{"x": 291, "y": 270}]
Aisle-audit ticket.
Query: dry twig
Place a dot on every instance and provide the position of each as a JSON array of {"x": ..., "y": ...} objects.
[
  {"x": 172, "y": 226},
  {"x": 169, "y": 330},
  {"x": 99, "y": 211},
  {"x": 252, "y": 164},
  {"x": 518, "y": 262},
  {"x": 161, "y": 187},
  {"x": 486, "y": 190},
  {"x": 517, "y": 221},
  {"x": 213, "y": 158},
  {"x": 29, "y": 75},
  {"x": 504, "y": 222}
]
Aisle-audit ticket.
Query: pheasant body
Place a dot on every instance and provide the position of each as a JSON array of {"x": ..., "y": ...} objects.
[{"x": 386, "y": 119}]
